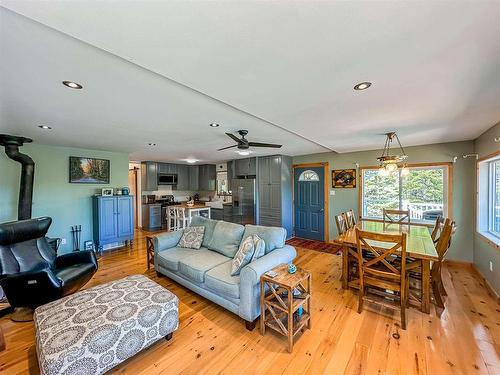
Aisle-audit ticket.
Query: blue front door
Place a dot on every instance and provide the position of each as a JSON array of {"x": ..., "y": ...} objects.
[{"x": 309, "y": 201}]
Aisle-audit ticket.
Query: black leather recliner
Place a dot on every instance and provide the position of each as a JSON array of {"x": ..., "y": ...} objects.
[{"x": 31, "y": 273}]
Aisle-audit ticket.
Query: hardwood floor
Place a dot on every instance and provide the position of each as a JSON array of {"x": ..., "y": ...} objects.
[{"x": 210, "y": 340}]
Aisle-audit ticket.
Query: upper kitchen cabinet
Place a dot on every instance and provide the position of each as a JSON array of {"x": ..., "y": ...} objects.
[
  {"x": 183, "y": 182},
  {"x": 244, "y": 167},
  {"x": 194, "y": 177},
  {"x": 149, "y": 176},
  {"x": 168, "y": 168},
  {"x": 207, "y": 177},
  {"x": 275, "y": 191}
]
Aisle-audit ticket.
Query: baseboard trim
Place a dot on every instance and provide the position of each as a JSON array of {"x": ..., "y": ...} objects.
[{"x": 490, "y": 289}]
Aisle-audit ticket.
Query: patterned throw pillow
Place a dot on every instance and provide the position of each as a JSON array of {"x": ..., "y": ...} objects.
[
  {"x": 192, "y": 238},
  {"x": 251, "y": 248},
  {"x": 260, "y": 247}
]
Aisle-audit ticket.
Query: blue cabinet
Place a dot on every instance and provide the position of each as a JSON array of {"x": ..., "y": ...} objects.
[{"x": 113, "y": 220}]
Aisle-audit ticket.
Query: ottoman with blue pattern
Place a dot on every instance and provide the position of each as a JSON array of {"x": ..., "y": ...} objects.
[{"x": 94, "y": 330}]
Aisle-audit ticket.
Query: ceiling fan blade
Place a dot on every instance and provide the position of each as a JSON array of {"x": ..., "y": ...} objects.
[
  {"x": 225, "y": 148},
  {"x": 233, "y": 137},
  {"x": 258, "y": 144}
]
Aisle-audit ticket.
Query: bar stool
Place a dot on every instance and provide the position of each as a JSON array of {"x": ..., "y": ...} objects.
[{"x": 181, "y": 220}]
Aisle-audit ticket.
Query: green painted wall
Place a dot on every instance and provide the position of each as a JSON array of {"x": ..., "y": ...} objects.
[
  {"x": 67, "y": 204},
  {"x": 484, "y": 253},
  {"x": 463, "y": 185}
]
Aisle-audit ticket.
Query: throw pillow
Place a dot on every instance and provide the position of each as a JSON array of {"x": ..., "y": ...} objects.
[
  {"x": 251, "y": 248},
  {"x": 192, "y": 238},
  {"x": 260, "y": 247}
]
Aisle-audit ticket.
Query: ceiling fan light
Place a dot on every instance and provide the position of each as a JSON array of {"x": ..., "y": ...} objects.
[{"x": 244, "y": 152}]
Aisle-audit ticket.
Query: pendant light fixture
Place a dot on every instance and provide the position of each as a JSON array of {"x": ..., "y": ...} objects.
[{"x": 390, "y": 163}]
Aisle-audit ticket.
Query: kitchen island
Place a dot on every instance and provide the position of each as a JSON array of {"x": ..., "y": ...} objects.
[{"x": 190, "y": 211}]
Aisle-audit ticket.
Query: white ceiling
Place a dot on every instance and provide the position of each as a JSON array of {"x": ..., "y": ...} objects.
[{"x": 435, "y": 68}]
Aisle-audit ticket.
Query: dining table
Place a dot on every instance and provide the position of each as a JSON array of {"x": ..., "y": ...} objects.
[{"x": 419, "y": 246}]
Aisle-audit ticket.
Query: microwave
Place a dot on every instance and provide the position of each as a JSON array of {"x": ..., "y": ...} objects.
[{"x": 167, "y": 179}]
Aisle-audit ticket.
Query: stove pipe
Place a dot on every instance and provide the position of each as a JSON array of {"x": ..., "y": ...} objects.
[{"x": 12, "y": 144}]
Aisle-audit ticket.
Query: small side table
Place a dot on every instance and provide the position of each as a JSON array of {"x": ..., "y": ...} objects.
[
  {"x": 150, "y": 251},
  {"x": 279, "y": 308}
]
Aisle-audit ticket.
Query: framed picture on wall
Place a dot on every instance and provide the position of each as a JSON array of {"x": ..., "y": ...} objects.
[
  {"x": 344, "y": 178},
  {"x": 84, "y": 170}
]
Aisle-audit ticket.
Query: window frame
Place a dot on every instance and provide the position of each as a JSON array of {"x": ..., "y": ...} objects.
[
  {"x": 448, "y": 193},
  {"x": 484, "y": 198}
]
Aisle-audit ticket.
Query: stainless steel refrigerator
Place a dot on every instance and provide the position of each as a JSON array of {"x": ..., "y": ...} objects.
[{"x": 243, "y": 201}]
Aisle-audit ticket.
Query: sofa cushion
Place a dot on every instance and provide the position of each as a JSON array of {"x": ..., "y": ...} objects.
[
  {"x": 219, "y": 280},
  {"x": 274, "y": 237},
  {"x": 192, "y": 237},
  {"x": 226, "y": 238},
  {"x": 209, "y": 225},
  {"x": 170, "y": 258},
  {"x": 195, "y": 266}
]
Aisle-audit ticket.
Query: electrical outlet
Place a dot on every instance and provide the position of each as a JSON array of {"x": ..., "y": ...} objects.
[
  {"x": 63, "y": 241},
  {"x": 491, "y": 266},
  {"x": 332, "y": 192}
]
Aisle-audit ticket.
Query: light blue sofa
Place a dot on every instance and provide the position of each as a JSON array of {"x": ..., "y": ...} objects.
[{"x": 207, "y": 271}]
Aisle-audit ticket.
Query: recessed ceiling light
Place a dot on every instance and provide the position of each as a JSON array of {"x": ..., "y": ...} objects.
[
  {"x": 244, "y": 152},
  {"x": 72, "y": 85},
  {"x": 151, "y": 144},
  {"x": 191, "y": 161},
  {"x": 362, "y": 86},
  {"x": 46, "y": 127},
  {"x": 214, "y": 125}
]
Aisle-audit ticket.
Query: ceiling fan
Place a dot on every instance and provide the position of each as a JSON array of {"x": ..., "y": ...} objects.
[{"x": 243, "y": 144}]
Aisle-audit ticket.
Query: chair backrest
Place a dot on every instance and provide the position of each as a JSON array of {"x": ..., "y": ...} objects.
[
  {"x": 377, "y": 265},
  {"x": 180, "y": 212},
  {"x": 24, "y": 247},
  {"x": 438, "y": 226},
  {"x": 396, "y": 216},
  {"x": 444, "y": 242},
  {"x": 350, "y": 219},
  {"x": 341, "y": 223}
]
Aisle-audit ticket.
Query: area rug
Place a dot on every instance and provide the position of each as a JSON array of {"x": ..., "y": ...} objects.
[{"x": 314, "y": 245}]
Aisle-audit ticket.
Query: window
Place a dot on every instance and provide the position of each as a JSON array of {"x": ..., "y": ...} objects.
[
  {"x": 424, "y": 191},
  {"x": 308, "y": 176},
  {"x": 488, "y": 204},
  {"x": 494, "y": 207}
]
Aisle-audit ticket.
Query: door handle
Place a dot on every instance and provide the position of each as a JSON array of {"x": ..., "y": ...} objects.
[{"x": 322, "y": 210}]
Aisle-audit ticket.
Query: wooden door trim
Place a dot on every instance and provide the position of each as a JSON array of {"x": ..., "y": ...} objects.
[{"x": 326, "y": 200}]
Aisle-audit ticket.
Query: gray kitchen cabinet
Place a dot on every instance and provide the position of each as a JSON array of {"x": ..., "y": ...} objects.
[
  {"x": 151, "y": 216},
  {"x": 230, "y": 174},
  {"x": 194, "y": 177},
  {"x": 168, "y": 168},
  {"x": 275, "y": 191},
  {"x": 245, "y": 167},
  {"x": 149, "y": 176},
  {"x": 227, "y": 212},
  {"x": 182, "y": 177},
  {"x": 216, "y": 213},
  {"x": 207, "y": 177}
]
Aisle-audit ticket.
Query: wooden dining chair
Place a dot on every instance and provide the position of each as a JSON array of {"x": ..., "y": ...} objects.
[
  {"x": 438, "y": 226},
  {"x": 447, "y": 229},
  {"x": 350, "y": 219},
  {"x": 380, "y": 273},
  {"x": 340, "y": 220},
  {"x": 442, "y": 247},
  {"x": 396, "y": 216}
]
